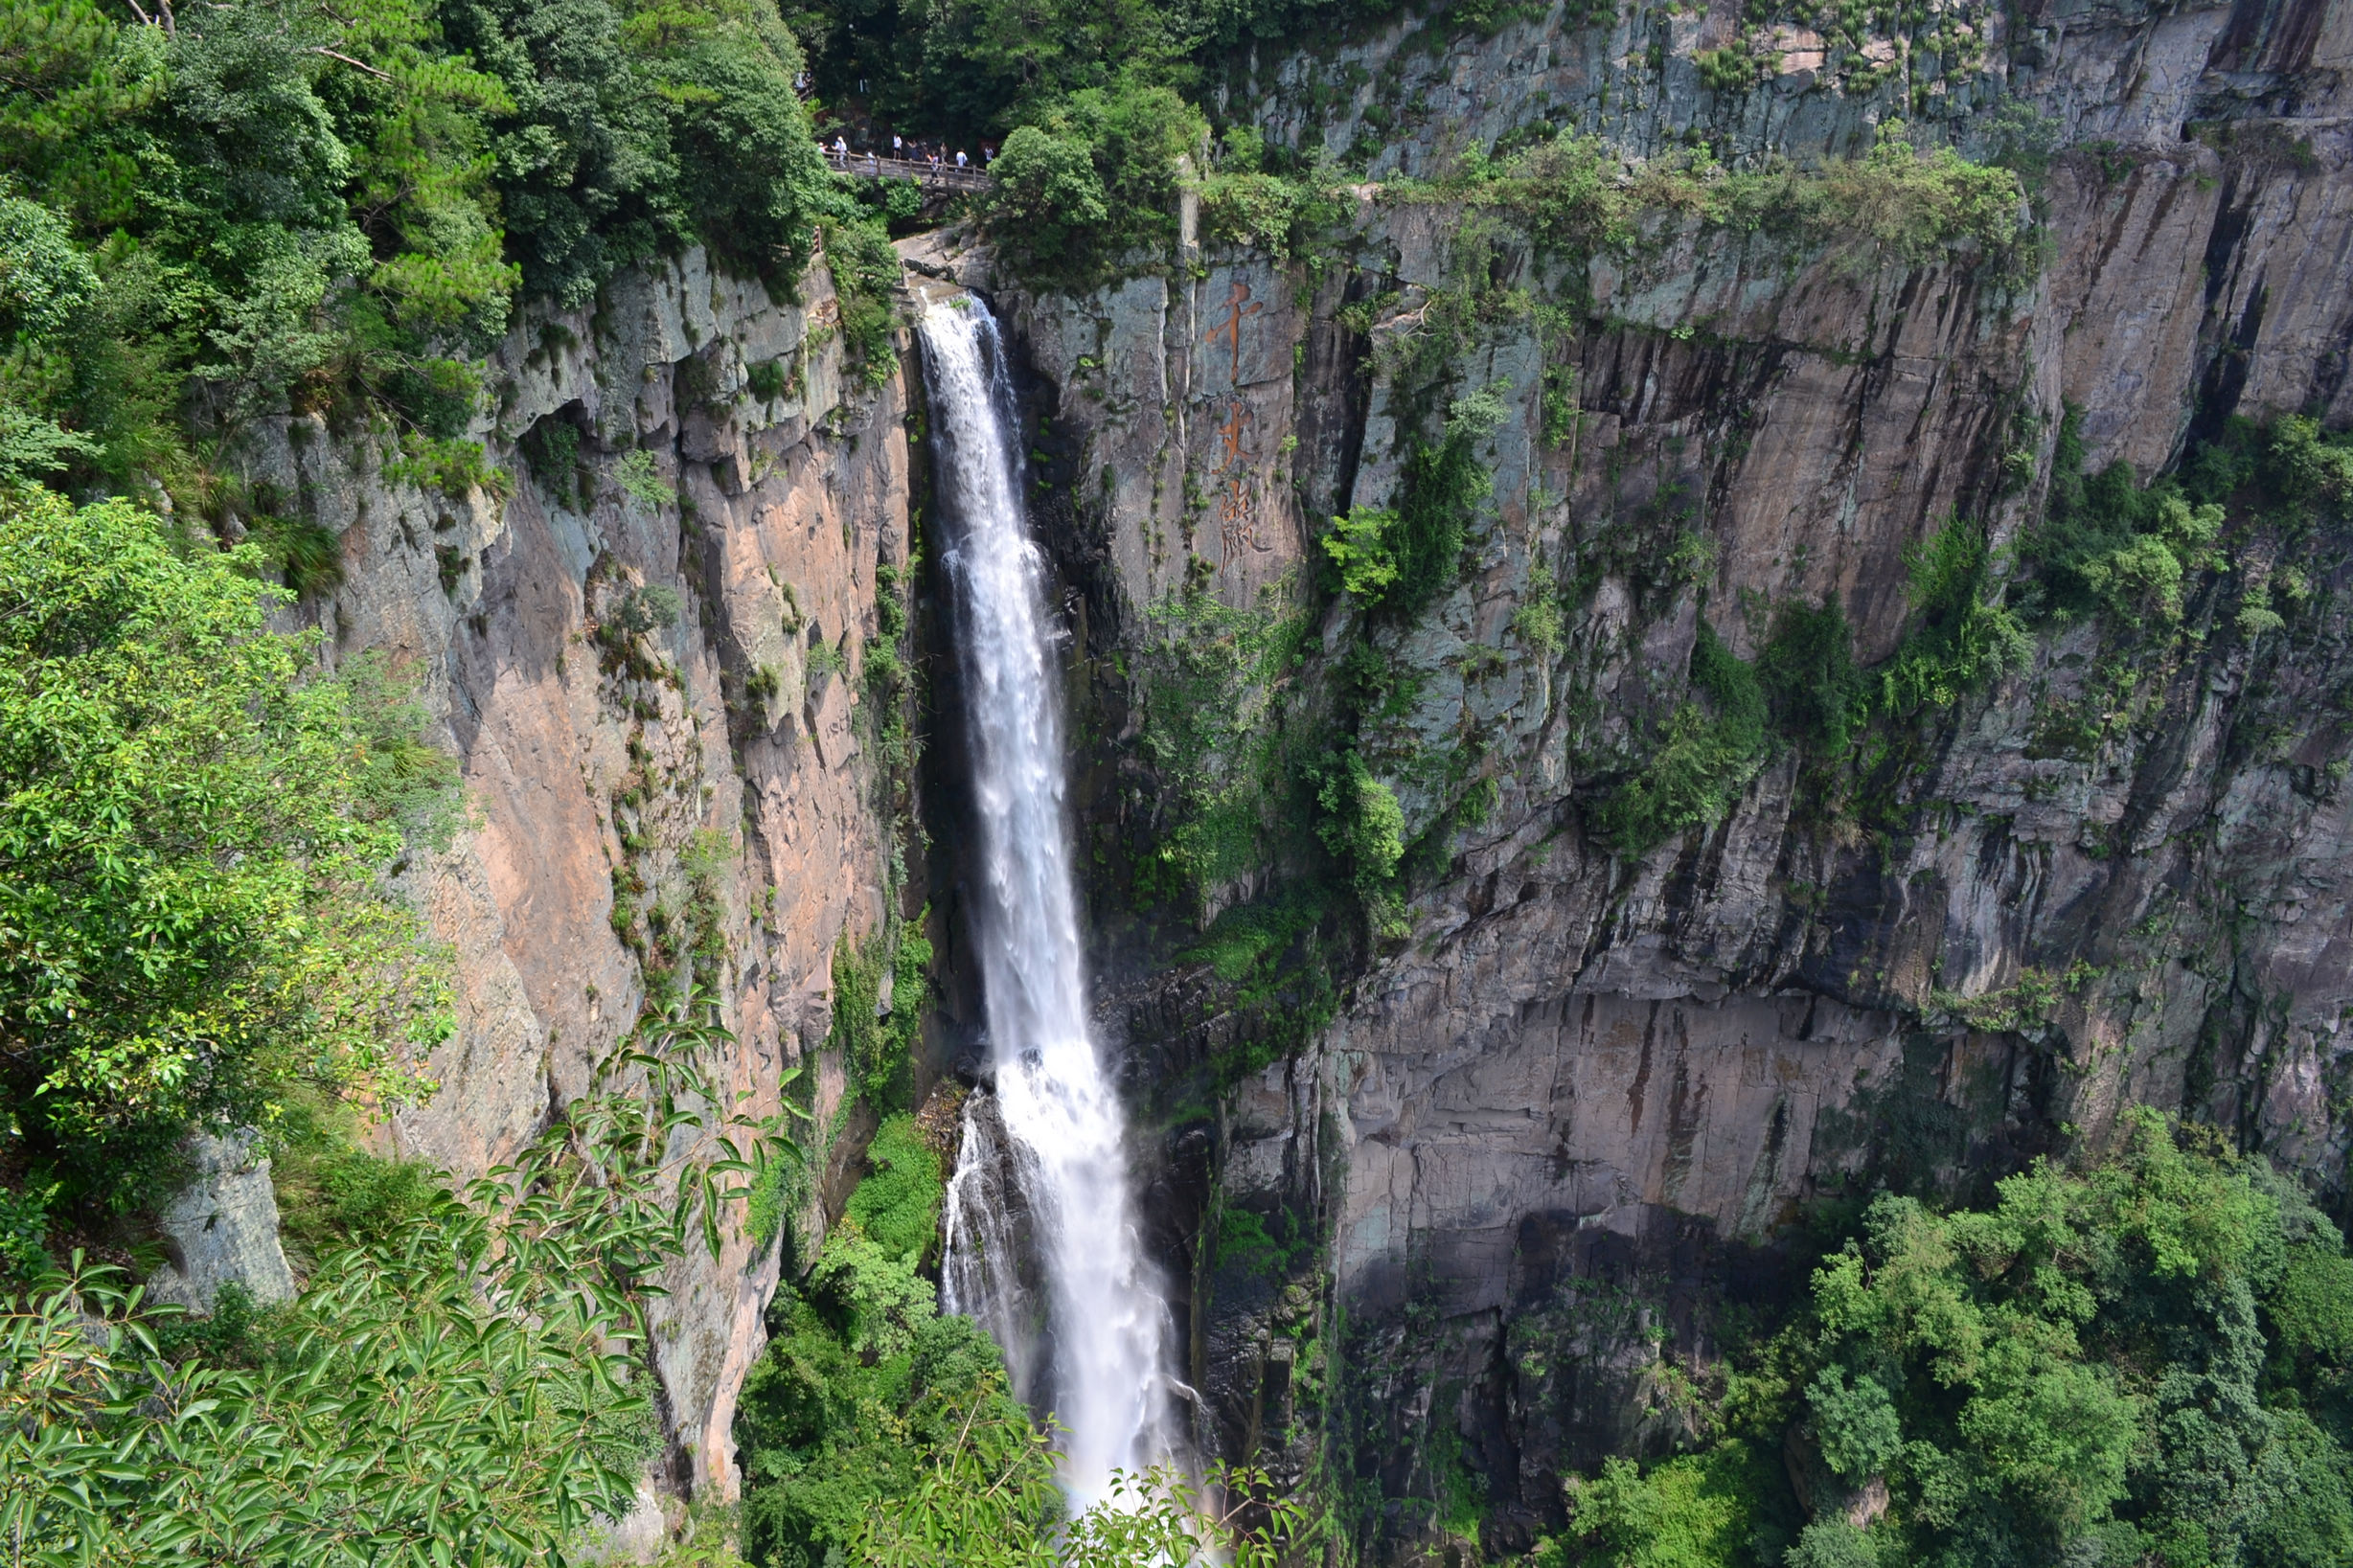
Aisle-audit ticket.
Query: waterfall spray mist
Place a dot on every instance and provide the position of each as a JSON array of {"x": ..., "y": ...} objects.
[{"x": 1044, "y": 1167}]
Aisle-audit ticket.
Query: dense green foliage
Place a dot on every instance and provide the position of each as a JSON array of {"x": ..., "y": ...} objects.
[
  {"x": 897, "y": 1207},
  {"x": 194, "y": 924},
  {"x": 910, "y": 1454},
  {"x": 863, "y": 1389},
  {"x": 2147, "y": 1360},
  {"x": 1703, "y": 757},
  {"x": 1442, "y": 487},
  {"x": 468, "y": 1388},
  {"x": 875, "y": 1430},
  {"x": 1093, "y": 177},
  {"x": 1211, "y": 680},
  {"x": 863, "y": 1382},
  {"x": 2134, "y": 553},
  {"x": 1362, "y": 824},
  {"x": 977, "y": 68},
  {"x": 261, "y": 207},
  {"x": 977, "y": 1507},
  {"x": 1695, "y": 1509},
  {"x": 2108, "y": 543}
]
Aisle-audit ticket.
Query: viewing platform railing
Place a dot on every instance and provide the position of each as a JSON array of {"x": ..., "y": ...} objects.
[{"x": 931, "y": 177}]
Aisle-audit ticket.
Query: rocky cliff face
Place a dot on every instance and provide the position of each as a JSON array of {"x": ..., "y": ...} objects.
[
  {"x": 1481, "y": 1217},
  {"x": 1553, "y": 1127},
  {"x": 649, "y": 655}
]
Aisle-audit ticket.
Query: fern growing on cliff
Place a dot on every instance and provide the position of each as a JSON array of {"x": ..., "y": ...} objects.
[{"x": 1960, "y": 633}]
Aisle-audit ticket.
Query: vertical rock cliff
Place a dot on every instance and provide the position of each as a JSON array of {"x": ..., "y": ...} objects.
[
  {"x": 1472, "y": 1227},
  {"x": 650, "y": 653},
  {"x": 1466, "y": 1185}
]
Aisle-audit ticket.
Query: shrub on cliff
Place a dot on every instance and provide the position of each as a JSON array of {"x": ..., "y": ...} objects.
[
  {"x": 1816, "y": 692},
  {"x": 1959, "y": 632},
  {"x": 1212, "y": 684},
  {"x": 2106, "y": 543},
  {"x": 1906, "y": 205},
  {"x": 197, "y": 825},
  {"x": 1705, "y": 755},
  {"x": 2139, "y": 554},
  {"x": 1362, "y": 824},
  {"x": 898, "y": 1205},
  {"x": 1898, "y": 204},
  {"x": 1047, "y": 196}
]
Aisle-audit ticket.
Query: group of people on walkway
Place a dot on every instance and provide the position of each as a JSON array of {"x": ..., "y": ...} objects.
[{"x": 935, "y": 154}]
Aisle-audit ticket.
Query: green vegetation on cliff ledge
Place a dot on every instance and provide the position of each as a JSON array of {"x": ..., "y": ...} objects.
[
  {"x": 1899, "y": 204},
  {"x": 2148, "y": 1361},
  {"x": 269, "y": 207}
]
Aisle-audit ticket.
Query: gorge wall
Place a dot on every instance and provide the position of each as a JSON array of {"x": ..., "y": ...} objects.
[
  {"x": 1481, "y": 1209},
  {"x": 1557, "y": 1117},
  {"x": 651, "y": 655}
]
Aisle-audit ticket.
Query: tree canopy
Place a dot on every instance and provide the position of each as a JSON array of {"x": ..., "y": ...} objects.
[
  {"x": 267, "y": 206},
  {"x": 2144, "y": 1360},
  {"x": 197, "y": 826}
]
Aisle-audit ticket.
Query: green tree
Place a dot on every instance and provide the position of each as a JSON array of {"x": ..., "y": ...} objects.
[
  {"x": 2084, "y": 1356},
  {"x": 633, "y": 129},
  {"x": 1047, "y": 197},
  {"x": 197, "y": 825}
]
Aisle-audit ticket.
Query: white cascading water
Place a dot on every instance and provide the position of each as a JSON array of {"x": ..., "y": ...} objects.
[{"x": 1041, "y": 1240}]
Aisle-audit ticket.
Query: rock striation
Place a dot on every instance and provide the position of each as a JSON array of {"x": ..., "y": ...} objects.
[
  {"x": 648, "y": 655},
  {"x": 1574, "y": 1101}
]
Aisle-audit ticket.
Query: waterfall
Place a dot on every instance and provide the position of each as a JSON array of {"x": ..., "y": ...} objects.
[{"x": 1041, "y": 1237}]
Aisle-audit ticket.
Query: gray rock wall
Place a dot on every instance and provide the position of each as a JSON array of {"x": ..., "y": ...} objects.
[
  {"x": 628, "y": 788},
  {"x": 1555, "y": 1127},
  {"x": 222, "y": 1229}
]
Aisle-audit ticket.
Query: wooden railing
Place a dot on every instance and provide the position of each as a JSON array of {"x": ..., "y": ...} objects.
[{"x": 940, "y": 176}]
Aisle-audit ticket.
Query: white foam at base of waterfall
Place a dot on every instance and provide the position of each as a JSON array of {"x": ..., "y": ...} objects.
[{"x": 1044, "y": 1166}]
